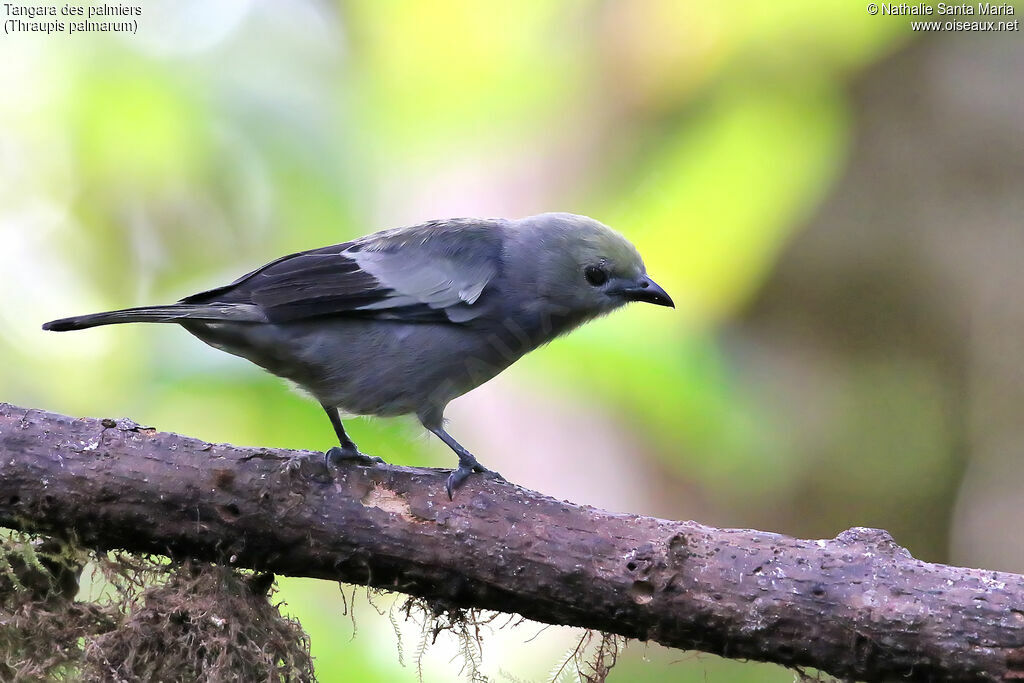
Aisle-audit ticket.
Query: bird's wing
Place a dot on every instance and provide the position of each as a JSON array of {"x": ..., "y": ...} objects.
[{"x": 435, "y": 272}]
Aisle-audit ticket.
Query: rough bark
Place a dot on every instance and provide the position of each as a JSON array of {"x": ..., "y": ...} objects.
[{"x": 856, "y": 606}]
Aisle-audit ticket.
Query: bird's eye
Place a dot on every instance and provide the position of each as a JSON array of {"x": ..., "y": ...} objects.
[{"x": 595, "y": 275}]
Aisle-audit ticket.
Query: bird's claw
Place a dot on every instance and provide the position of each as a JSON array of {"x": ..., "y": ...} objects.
[
  {"x": 456, "y": 479},
  {"x": 459, "y": 476},
  {"x": 337, "y": 454}
]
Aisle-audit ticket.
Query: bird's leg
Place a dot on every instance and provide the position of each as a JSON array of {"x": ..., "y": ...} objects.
[
  {"x": 467, "y": 461},
  {"x": 347, "y": 450}
]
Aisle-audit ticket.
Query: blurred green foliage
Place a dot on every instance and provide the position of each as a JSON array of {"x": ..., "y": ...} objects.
[{"x": 138, "y": 169}]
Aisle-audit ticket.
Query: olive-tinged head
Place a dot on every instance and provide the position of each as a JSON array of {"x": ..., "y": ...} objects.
[{"x": 586, "y": 267}]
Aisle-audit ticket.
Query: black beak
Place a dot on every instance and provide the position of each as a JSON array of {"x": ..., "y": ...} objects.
[{"x": 646, "y": 289}]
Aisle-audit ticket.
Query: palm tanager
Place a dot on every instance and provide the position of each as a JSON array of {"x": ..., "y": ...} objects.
[{"x": 405, "y": 320}]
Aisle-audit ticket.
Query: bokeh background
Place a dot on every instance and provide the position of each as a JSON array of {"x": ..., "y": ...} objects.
[{"x": 834, "y": 202}]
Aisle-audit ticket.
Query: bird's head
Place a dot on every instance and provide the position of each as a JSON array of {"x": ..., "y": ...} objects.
[{"x": 585, "y": 268}]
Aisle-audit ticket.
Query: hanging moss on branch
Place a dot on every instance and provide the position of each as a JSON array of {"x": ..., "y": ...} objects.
[{"x": 156, "y": 620}]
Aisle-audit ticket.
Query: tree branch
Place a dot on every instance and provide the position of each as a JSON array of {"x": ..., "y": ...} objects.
[{"x": 857, "y": 606}]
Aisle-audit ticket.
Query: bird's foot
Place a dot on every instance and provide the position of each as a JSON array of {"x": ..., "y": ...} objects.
[
  {"x": 459, "y": 476},
  {"x": 339, "y": 454}
]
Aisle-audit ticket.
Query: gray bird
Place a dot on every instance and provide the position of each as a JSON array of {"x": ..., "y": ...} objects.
[{"x": 403, "y": 321}]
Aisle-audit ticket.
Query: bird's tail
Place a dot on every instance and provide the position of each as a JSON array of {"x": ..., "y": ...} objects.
[{"x": 172, "y": 313}]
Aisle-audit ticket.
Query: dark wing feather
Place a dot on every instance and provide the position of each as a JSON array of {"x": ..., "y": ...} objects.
[{"x": 435, "y": 272}]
